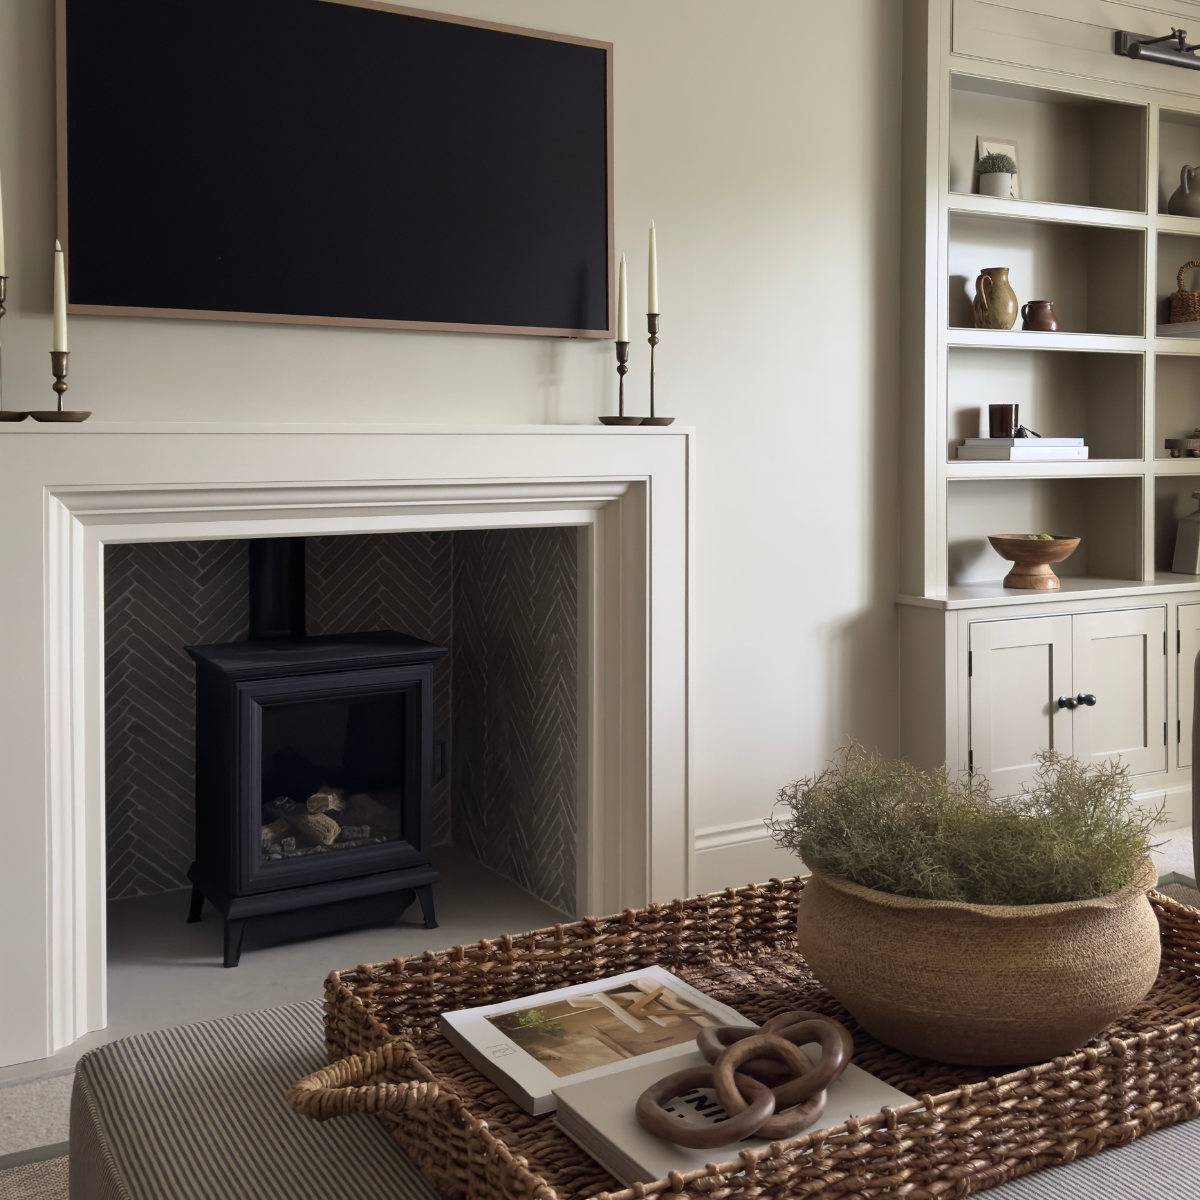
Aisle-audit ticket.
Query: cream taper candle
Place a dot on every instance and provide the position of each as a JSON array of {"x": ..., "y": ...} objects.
[
  {"x": 2, "y": 270},
  {"x": 652, "y": 275},
  {"x": 622, "y": 305},
  {"x": 60, "y": 299}
]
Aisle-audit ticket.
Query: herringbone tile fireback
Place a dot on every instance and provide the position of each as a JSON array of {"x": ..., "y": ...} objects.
[
  {"x": 514, "y": 773},
  {"x": 158, "y": 598}
]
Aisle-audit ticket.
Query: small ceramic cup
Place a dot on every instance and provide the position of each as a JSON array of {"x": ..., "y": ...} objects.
[{"x": 1039, "y": 315}]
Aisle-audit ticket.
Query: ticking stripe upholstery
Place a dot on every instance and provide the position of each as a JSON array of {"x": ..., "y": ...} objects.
[
  {"x": 1164, "y": 1165},
  {"x": 197, "y": 1113}
]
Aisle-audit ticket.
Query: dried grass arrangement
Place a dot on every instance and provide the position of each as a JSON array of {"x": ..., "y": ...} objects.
[{"x": 1074, "y": 835}]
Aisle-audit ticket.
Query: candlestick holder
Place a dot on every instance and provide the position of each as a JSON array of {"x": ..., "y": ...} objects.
[
  {"x": 622, "y": 368},
  {"x": 58, "y": 366},
  {"x": 652, "y": 327},
  {"x": 5, "y": 414}
]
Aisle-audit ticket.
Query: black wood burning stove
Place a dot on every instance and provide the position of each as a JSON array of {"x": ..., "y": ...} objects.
[{"x": 314, "y": 766}]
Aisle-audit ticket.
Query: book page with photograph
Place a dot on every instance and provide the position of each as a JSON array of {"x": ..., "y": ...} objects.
[
  {"x": 529, "y": 1046},
  {"x": 606, "y": 1026}
]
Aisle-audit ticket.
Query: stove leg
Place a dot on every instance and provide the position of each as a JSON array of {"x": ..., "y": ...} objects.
[
  {"x": 233, "y": 941},
  {"x": 197, "y": 905},
  {"x": 425, "y": 895}
]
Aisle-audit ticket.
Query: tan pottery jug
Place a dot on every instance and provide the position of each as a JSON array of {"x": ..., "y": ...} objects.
[
  {"x": 995, "y": 304},
  {"x": 981, "y": 984}
]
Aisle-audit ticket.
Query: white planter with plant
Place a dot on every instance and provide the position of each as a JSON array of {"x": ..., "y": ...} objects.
[
  {"x": 996, "y": 173},
  {"x": 972, "y": 930}
]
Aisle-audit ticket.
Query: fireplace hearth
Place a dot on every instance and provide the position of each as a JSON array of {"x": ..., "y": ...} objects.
[{"x": 314, "y": 767}]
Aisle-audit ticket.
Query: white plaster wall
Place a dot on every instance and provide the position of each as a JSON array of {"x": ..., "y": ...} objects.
[{"x": 762, "y": 136}]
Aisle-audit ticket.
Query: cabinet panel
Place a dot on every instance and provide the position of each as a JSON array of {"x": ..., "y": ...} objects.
[
  {"x": 1018, "y": 671},
  {"x": 1120, "y": 658},
  {"x": 1189, "y": 647}
]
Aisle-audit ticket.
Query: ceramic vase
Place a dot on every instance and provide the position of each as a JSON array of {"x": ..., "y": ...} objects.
[
  {"x": 995, "y": 304},
  {"x": 1185, "y": 200},
  {"x": 980, "y": 984}
]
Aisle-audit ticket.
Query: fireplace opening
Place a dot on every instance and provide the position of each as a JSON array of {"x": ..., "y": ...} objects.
[{"x": 498, "y": 719}]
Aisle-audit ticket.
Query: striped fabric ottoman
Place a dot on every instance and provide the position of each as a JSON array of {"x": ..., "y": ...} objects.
[{"x": 197, "y": 1113}]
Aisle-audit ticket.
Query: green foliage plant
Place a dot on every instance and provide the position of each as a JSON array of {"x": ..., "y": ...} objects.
[
  {"x": 1074, "y": 835},
  {"x": 527, "y": 1028},
  {"x": 994, "y": 164}
]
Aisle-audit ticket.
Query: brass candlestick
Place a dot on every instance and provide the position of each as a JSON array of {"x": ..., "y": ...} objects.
[
  {"x": 58, "y": 366},
  {"x": 652, "y": 327},
  {"x": 5, "y": 414},
  {"x": 622, "y": 369}
]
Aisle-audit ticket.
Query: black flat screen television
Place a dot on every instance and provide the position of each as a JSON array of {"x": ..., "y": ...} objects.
[{"x": 337, "y": 162}]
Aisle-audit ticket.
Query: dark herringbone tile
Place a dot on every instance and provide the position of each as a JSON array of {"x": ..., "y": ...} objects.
[
  {"x": 514, "y": 777},
  {"x": 158, "y": 598}
]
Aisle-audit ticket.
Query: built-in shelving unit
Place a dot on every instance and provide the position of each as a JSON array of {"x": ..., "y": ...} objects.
[
  {"x": 1098, "y": 160},
  {"x": 1100, "y": 141}
]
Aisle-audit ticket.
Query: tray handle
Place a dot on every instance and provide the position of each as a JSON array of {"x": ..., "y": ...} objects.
[{"x": 344, "y": 1087}]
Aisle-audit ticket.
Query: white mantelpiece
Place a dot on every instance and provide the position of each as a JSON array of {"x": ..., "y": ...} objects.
[{"x": 66, "y": 491}]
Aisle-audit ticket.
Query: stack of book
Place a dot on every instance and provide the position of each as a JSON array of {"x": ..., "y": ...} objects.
[
  {"x": 1042, "y": 449},
  {"x": 588, "y": 1052}
]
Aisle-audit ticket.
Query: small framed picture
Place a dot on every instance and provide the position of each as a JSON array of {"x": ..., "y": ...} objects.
[{"x": 994, "y": 145}]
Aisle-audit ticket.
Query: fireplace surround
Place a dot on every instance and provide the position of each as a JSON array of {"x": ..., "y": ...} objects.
[{"x": 66, "y": 493}]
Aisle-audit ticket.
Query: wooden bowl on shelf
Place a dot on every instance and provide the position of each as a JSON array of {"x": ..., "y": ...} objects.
[{"x": 1031, "y": 558}]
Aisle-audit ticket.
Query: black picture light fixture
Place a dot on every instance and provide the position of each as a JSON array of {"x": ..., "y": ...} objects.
[{"x": 1171, "y": 49}]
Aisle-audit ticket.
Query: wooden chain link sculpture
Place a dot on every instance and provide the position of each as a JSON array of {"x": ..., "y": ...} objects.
[{"x": 769, "y": 1087}]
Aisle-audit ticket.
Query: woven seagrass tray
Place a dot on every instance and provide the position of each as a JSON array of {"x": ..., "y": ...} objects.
[{"x": 965, "y": 1131}]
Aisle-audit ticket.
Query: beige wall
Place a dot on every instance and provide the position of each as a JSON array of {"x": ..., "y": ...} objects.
[{"x": 762, "y": 136}]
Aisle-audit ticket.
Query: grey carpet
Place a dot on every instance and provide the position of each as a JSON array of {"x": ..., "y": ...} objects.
[{"x": 46, "y": 1180}]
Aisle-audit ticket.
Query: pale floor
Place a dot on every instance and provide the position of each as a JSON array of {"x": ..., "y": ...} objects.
[{"x": 162, "y": 971}]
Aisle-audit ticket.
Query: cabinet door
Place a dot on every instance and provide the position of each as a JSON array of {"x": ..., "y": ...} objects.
[
  {"x": 1018, "y": 671},
  {"x": 1189, "y": 647},
  {"x": 1120, "y": 658}
]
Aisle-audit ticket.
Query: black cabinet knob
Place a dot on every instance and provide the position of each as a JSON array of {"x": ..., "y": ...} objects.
[
  {"x": 1068, "y": 702},
  {"x": 1085, "y": 698}
]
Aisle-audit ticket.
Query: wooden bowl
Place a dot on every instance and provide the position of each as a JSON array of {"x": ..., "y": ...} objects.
[{"x": 1031, "y": 559}]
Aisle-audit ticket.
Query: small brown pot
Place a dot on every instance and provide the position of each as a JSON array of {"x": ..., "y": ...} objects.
[
  {"x": 1039, "y": 315},
  {"x": 980, "y": 984}
]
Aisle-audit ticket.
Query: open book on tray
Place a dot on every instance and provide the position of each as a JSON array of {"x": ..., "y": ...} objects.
[
  {"x": 588, "y": 1051},
  {"x": 576, "y": 1034}
]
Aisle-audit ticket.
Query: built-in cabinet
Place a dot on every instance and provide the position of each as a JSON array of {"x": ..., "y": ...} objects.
[
  {"x": 985, "y": 686},
  {"x": 1093, "y": 685},
  {"x": 1100, "y": 143}
]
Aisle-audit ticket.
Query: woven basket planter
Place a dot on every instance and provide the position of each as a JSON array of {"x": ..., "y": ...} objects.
[
  {"x": 966, "y": 1130},
  {"x": 1015, "y": 984},
  {"x": 1185, "y": 305}
]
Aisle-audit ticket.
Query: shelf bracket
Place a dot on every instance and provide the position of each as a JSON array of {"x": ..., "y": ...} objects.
[{"x": 1155, "y": 49}]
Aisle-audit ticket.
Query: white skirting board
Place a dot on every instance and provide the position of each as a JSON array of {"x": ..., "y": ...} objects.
[{"x": 737, "y": 854}]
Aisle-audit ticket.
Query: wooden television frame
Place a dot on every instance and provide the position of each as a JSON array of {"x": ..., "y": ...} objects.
[{"x": 60, "y": 9}]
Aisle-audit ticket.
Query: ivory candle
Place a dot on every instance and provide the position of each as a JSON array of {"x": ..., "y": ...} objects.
[
  {"x": 652, "y": 275},
  {"x": 2, "y": 270},
  {"x": 60, "y": 299},
  {"x": 622, "y": 306}
]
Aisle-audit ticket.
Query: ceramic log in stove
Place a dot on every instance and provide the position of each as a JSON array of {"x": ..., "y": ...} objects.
[{"x": 314, "y": 767}]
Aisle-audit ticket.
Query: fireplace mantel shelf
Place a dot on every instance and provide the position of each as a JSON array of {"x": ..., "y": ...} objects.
[{"x": 32, "y": 428}]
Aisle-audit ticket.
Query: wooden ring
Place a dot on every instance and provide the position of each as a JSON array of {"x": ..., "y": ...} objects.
[
  {"x": 837, "y": 1047},
  {"x": 653, "y": 1116},
  {"x": 767, "y": 1045}
]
